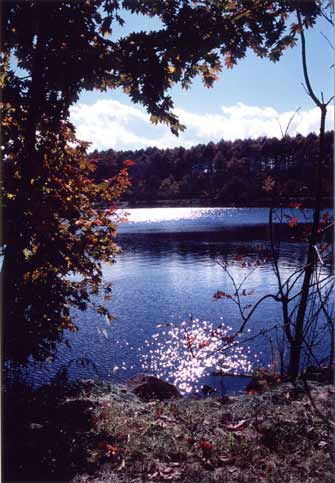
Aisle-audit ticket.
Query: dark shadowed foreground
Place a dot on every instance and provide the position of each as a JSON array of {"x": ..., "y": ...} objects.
[{"x": 99, "y": 433}]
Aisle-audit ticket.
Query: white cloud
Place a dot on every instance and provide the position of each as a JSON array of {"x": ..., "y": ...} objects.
[
  {"x": 111, "y": 124},
  {"x": 241, "y": 111}
]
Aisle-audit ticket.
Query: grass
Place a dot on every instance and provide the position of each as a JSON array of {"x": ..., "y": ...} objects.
[
  {"x": 104, "y": 434},
  {"x": 272, "y": 438}
]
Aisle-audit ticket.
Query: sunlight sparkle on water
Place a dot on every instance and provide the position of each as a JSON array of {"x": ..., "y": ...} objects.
[
  {"x": 187, "y": 352},
  {"x": 140, "y": 215}
]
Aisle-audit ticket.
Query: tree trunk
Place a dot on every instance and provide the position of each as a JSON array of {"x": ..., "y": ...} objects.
[
  {"x": 18, "y": 232},
  {"x": 298, "y": 340}
]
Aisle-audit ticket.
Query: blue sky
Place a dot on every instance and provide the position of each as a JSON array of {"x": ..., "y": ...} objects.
[{"x": 247, "y": 101}]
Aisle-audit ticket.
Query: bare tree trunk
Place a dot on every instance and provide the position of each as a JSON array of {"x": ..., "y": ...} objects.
[{"x": 298, "y": 338}]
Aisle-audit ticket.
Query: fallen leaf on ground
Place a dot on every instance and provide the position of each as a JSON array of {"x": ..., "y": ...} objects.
[
  {"x": 166, "y": 472},
  {"x": 238, "y": 426},
  {"x": 206, "y": 448},
  {"x": 122, "y": 465}
]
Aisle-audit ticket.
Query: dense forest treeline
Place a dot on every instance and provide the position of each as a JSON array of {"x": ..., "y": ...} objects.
[{"x": 225, "y": 173}]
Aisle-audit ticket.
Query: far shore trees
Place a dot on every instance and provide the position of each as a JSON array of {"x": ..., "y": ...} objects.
[{"x": 192, "y": 175}]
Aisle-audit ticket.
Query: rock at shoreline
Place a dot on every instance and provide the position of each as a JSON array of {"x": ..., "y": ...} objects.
[
  {"x": 207, "y": 390},
  {"x": 150, "y": 388}
]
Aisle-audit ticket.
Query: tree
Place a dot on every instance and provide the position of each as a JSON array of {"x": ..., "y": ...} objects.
[
  {"x": 50, "y": 52},
  {"x": 313, "y": 295},
  {"x": 305, "y": 295},
  {"x": 169, "y": 188},
  {"x": 296, "y": 338}
]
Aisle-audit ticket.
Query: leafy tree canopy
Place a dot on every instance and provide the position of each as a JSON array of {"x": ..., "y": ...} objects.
[{"x": 67, "y": 46}]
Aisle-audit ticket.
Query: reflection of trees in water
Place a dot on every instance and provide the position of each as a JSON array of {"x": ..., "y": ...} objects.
[{"x": 211, "y": 245}]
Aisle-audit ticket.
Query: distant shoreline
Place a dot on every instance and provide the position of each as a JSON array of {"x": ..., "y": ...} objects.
[{"x": 206, "y": 203}]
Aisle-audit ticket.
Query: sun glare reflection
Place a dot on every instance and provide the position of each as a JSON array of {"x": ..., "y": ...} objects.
[
  {"x": 140, "y": 215},
  {"x": 184, "y": 354}
]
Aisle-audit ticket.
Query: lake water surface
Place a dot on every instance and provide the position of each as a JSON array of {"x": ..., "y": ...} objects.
[{"x": 162, "y": 298}]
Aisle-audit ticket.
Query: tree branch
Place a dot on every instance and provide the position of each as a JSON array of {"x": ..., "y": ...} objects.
[{"x": 304, "y": 63}]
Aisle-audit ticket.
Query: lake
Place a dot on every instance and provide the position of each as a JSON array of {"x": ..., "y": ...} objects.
[{"x": 163, "y": 285}]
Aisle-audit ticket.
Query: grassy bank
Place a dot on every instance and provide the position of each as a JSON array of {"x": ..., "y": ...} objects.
[{"x": 100, "y": 433}]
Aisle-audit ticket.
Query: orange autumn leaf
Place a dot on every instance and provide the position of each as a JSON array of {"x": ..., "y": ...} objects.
[
  {"x": 112, "y": 450},
  {"x": 109, "y": 449},
  {"x": 295, "y": 205},
  {"x": 228, "y": 338},
  {"x": 220, "y": 294},
  {"x": 293, "y": 221},
  {"x": 206, "y": 447},
  {"x": 189, "y": 339},
  {"x": 229, "y": 60}
]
